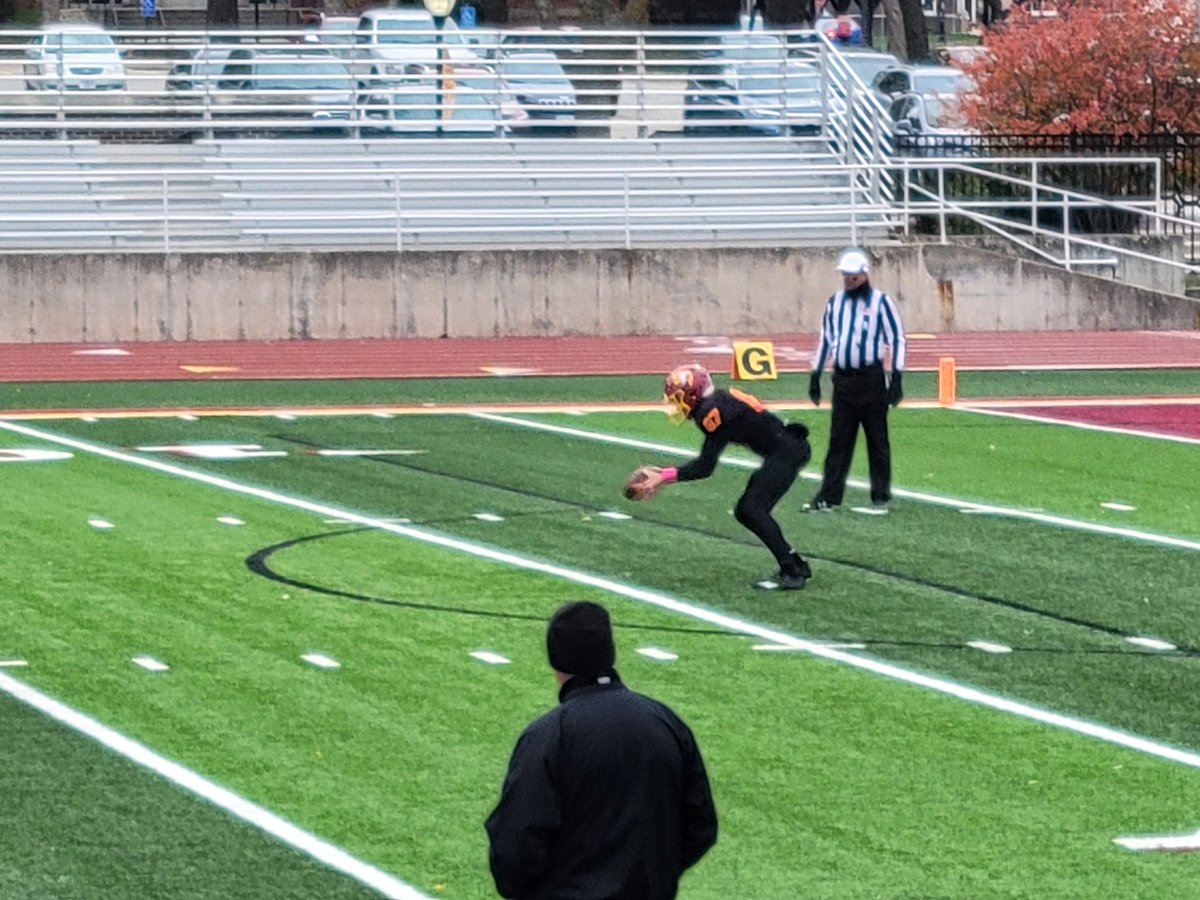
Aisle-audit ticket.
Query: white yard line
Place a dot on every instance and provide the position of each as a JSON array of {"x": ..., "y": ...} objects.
[
  {"x": 307, "y": 843},
  {"x": 1055, "y": 402},
  {"x": 1069, "y": 423},
  {"x": 651, "y": 598},
  {"x": 933, "y": 499}
]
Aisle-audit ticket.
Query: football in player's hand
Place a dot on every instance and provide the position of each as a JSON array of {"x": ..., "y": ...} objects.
[{"x": 643, "y": 483}]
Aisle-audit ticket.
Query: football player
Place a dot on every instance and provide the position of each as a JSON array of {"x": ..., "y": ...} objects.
[{"x": 727, "y": 417}]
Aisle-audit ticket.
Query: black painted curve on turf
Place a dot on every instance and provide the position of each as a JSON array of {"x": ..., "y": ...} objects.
[{"x": 258, "y": 563}]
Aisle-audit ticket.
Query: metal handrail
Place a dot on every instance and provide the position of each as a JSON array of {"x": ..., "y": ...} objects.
[{"x": 1031, "y": 236}]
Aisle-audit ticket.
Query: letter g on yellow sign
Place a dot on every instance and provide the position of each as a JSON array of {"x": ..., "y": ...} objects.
[{"x": 754, "y": 361}]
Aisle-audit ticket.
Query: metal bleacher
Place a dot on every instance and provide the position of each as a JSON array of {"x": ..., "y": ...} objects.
[
  {"x": 150, "y": 169},
  {"x": 273, "y": 194}
]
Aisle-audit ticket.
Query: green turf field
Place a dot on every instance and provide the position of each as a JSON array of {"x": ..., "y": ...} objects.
[{"x": 872, "y": 752}]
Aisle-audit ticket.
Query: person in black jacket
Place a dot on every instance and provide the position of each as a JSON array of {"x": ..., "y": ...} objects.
[
  {"x": 606, "y": 796},
  {"x": 727, "y": 417}
]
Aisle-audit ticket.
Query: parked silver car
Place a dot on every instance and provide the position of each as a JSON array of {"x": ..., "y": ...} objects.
[
  {"x": 74, "y": 56},
  {"x": 764, "y": 98},
  {"x": 930, "y": 125},
  {"x": 866, "y": 63},
  {"x": 896, "y": 80},
  {"x": 199, "y": 72},
  {"x": 333, "y": 33}
]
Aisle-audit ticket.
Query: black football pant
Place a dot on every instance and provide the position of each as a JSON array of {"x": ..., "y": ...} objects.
[
  {"x": 766, "y": 488},
  {"x": 859, "y": 399}
]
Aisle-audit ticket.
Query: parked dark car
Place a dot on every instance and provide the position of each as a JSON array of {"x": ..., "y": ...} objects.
[
  {"x": 536, "y": 93},
  {"x": 300, "y": 89}
]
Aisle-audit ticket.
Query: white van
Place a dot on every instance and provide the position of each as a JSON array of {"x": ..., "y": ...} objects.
[{"x": 403, "y": 43}]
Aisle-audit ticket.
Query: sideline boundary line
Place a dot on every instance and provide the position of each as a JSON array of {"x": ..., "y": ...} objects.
[
  {"x": 181, "y": 776},
  {"x": 653, "y": 598},
  {"x": 1003, "y": 413},
  {"x": 434, "y": 409}
]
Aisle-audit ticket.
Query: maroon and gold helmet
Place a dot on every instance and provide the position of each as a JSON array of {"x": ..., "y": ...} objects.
[{"x": 684, "y": 387}]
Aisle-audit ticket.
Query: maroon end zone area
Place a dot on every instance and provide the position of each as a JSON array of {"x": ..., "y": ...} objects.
[
  {"x": 1171, "y": 419},
  {"x": 466, "y": 357}
]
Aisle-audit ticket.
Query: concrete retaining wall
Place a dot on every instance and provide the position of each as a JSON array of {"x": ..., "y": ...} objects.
[{"x": 148, "y": 297}]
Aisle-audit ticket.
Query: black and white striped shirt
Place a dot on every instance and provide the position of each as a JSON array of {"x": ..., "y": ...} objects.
[{"x": 855, "y": 330}]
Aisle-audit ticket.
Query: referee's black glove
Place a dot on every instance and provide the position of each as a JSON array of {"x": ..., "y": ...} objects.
[
  {"x": 895, "y": 393},
  {"x": 814, "y": 388}
]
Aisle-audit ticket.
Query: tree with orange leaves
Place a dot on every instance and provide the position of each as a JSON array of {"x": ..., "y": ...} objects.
[{"x": 1098, "y": 66}]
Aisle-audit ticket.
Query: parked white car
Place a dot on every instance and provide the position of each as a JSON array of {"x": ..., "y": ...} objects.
[
  {"x": 391, "y": 43},
  {"x": 74, "y": 57},
  {"x": 766, "y": 98}
]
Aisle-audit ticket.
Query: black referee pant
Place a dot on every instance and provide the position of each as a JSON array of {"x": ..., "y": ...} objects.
[
  {"x": 859, "y": 399},
  {"x": 768, "y": 485}
]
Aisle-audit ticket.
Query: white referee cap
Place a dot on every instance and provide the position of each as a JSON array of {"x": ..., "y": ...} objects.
[{"x": 853, "y": 262}]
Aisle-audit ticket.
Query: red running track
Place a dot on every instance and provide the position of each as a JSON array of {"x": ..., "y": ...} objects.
[{"x": 408, "y": 358}]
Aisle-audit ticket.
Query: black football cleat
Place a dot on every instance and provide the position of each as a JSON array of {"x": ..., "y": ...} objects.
[
  {"x": 788, "y": 581},
  {"x": 801, "y": 566}
]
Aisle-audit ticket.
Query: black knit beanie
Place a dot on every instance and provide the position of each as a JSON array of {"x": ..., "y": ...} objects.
[{"x": 579, "y": 639}]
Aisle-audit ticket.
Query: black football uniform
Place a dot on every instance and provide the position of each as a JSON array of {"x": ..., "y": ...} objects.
[{"x": 735, "y": 417}]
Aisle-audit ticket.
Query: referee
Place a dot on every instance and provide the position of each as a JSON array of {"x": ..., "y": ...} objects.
[{"x": 859, "y": 322}]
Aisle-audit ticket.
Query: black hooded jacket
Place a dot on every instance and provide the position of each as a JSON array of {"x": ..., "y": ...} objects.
[{"x": 606, "y": 798}]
